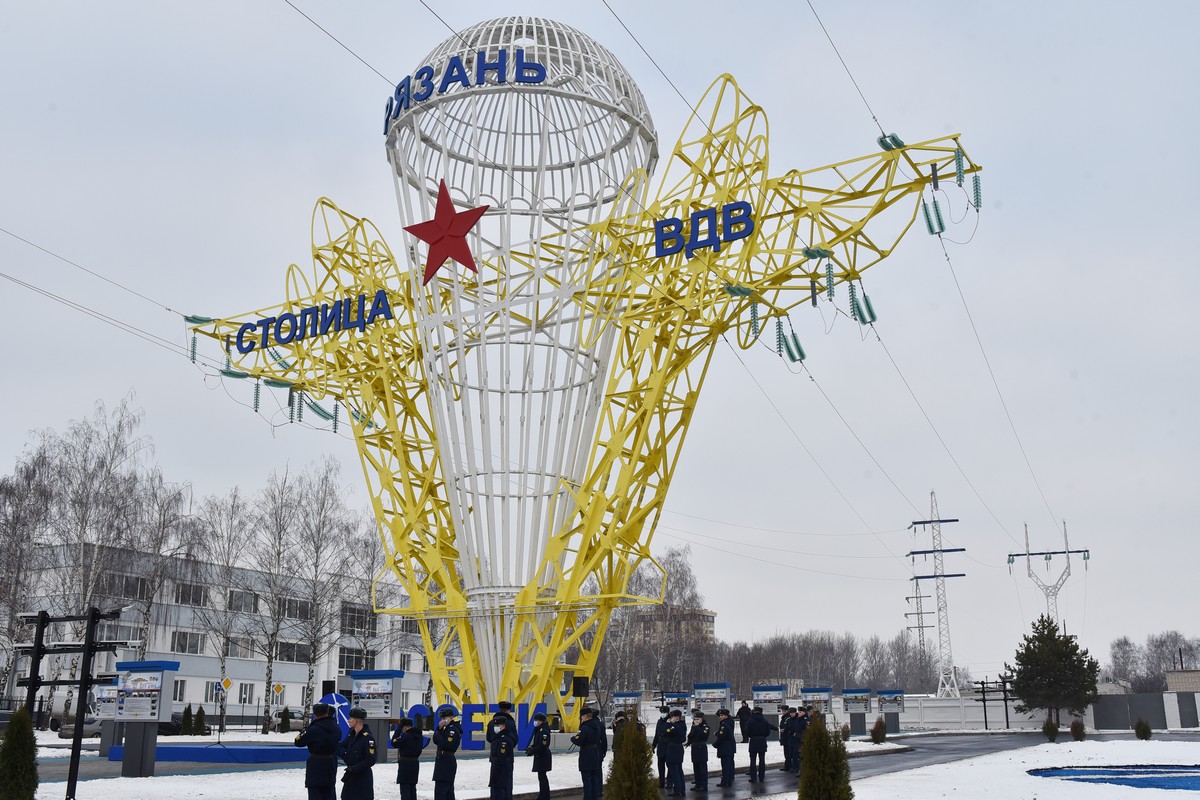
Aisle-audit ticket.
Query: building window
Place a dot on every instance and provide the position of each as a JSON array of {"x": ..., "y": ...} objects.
[
  {"x": 187, "y": 642},
  {"x": 191, "y": 594},
  {"x": 293, "y": 608},
  {"x": 295, "y": 652},
  {"x": 358, "y": 620},
  {"x": 238, "y": 647},
  {"x": 408, "y": 625},
  {"x": 246, "y": 602},
  {"x": 405, "y": 661},
  {"x": 128, "y": 587},
  {"x": 211, "y": 690},
  {"x": 354, "y": 658},
  {"x": 178, "y": 691},
  {"x": 116, "y": 632},
  {"x": 245, "y": 693}
]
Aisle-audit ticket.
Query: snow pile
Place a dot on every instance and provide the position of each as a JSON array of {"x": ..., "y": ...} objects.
[{"x": 1004, "y": 776}]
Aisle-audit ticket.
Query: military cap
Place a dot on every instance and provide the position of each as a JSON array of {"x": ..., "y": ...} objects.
[
  {"x": 664, "y": 709},
  {"x": 587, "y": 710},
  {"x": 676, "y": 713},
  {"x": 723, "y": 712},
  {"x": 540, "y": 716},
  {"x": 757, "y": 710},
  {"x": 451, "y": 711},
  {"x": 618, "y": 715},
  {"x": 697, "y": 713},
  {"x": 358, "y": 713},
  {"x": 322, "y": 709},
  {"x": 405, "y": 722},
  {"x": 504, "y": 705}
]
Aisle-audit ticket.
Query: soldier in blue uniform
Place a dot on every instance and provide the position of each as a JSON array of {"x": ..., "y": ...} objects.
[
  {"x": 409, "y": 743},
  {"x": 675, "y": 735},
  {"x": 803, "y": 716},
  {"x": 539, "y": 751},
  {"x": 321, "y": 737},
  {"x": 357, "y": 751},
  {"x": 590, "y": 761},
  {"x": 726, "y": 746},
  {"x": 660, "y": 746},
  {"x": 446, "y": 737},
  {"x": 758, "y": 728},
  {"x": 502, "y": 734},
  {"x": 697, "y": 740}
]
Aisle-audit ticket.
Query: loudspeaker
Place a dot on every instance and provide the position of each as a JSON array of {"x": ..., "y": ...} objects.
[
  {"x": 579, "y": 687},
  {"x": 328, "y": 687}
]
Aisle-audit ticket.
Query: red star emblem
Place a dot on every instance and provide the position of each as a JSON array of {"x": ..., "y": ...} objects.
[{"x": 446, "y": 234}]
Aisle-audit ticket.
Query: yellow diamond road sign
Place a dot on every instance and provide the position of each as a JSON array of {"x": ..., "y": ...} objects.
[
  {"x": 278, "y": 688},
  {"x": 226, "y": 683}
]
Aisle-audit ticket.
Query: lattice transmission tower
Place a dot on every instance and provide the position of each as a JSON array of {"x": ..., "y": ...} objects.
[
  {"x": 947, "y": 674},
  {"x": 1049, "y": 589}
]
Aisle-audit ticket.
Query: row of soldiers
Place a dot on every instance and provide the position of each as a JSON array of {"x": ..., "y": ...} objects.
[
  {"x": 672, "y": 735},
  {"x": 323, "y": 738}
]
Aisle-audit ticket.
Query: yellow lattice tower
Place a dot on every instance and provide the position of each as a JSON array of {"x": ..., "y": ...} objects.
[{"x": 668, "y": 312}]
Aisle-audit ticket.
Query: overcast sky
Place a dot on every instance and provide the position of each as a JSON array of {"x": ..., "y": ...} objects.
[{"x": 178, "y": 149}]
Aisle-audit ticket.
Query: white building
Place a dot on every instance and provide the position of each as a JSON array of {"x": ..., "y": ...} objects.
[{"x": 192, "y": 612}]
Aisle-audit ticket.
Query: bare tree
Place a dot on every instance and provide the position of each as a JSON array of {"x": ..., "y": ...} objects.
[
  {"x": 24, "y": 502},
  {"x": 325, "y": 525},
  {"x": 271, "y": 556},
  {"x": 160, "y": 535},
  {"x": 227, "y": 529},
  {"x": 94, "y": 472}
]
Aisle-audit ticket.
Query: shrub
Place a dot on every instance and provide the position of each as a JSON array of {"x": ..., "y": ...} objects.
[
  {"x": 198, "y": 722},
  {"x": 185, "y": 726},
  {"x": 1078, "y": 731},
  {"x": 824, "y": 766},
  {"x": 1142, "y": 729},
  {"x": 879, "y": 731},
  {"x": 846, "y": 732},
  {"x": 18, "y": 759},
  {"x": 629, "y": 776},
  {"x": 1050, "y": 728},
  {"x": 285, "y": 720}
]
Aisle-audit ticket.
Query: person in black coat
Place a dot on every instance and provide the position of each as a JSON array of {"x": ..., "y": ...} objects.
[
  {"x": 697, "y": 740},
  {"x": 357, "y": 751},
  {"x": 588, "y": 742},
  {"x": 786, "y": 723},
  {"x": 539, "y": 751},
  {"x": 726, "y": 746},
  {"x": 446, "y": 737},
  {"x": 675, "y": 736},
  {"x": 803, "y": 715},
  {"x": 660, "y": 747},
  {"x": 321, "y": 737},
  {"x": 409, "y": 743},
  {"x": 502, "y": 733},
  {"x": 758, "y": 729},
  {"x": 743, "y": 717}
]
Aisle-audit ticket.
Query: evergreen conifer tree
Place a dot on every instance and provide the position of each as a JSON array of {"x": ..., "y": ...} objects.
[
  {"x": 18, "y": 759},
  {"x": 185, "y": 727},
  {"x": 285, "y": 720},
  {"x": 198, "y": 722},
  {"x": 824, "y": 764},
  {"x": 1052, "y": 672},
  {"x": 629, "y": 776}
]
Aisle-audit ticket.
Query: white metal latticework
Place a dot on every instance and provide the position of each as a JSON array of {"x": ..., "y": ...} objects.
[{"x": 516, "y": 364}]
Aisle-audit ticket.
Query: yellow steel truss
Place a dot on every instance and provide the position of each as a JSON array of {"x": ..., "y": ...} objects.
[{"x": 669, "y": 314}]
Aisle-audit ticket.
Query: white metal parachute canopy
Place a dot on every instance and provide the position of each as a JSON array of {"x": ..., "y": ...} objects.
[{"x": 516, "y": 365}]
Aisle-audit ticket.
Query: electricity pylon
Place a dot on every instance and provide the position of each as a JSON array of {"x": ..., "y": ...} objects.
[
  {"x": 1049, "y": 589},
  {"x": 947, "y": 674}
]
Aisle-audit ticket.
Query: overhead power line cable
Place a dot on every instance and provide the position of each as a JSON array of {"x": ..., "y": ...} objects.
[
  {"x": 870, "y": 110},
  {"x": 79, "y": 266}
]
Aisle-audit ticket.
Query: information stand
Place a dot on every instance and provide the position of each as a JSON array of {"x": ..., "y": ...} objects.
[
  {"x": 857, "y": 704},
  {"x": 143, "y": 700},
  {"x": 712, "y": 696},
  {"x": 377, "y": 691},
  {"x": 106, "y": 712},
  {"x": 891, "y": 703}
]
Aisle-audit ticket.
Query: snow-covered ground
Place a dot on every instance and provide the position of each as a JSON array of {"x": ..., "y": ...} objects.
[
  {"x": 270, "y": 784},
  {"x": 1004, "y": 776}
]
